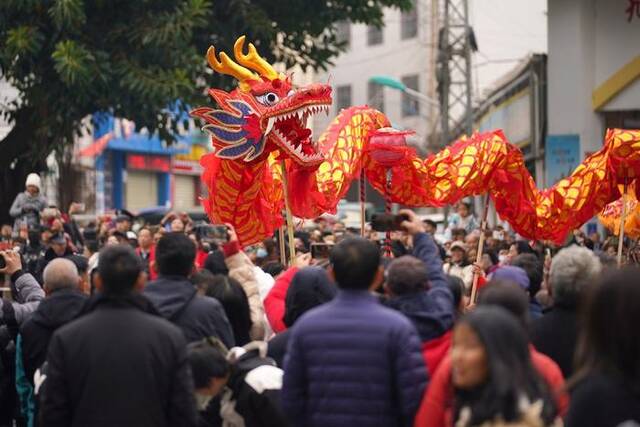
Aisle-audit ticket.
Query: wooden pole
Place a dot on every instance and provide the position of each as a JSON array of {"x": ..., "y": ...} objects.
[
  {"x": 623, "y": 218},
  {"x": 363, "y": 199},
  {"x": 387, "y": 210},
  {"x": 287, "y": 207},
  {"x": 283, "y": 255},
  {"x": 483, "y": 230}
]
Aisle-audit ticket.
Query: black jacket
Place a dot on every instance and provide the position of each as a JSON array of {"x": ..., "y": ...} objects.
[
  {"x": 118, "y": 365},
  {"x": 253, "y": 392},
  {"x": 603, "y": 401},
  {"x": 278, "y": 347},
  {"x": 199, "y": 317},
  {"x": 555, "y": 334},
  {"x": 56, "y": 310}
]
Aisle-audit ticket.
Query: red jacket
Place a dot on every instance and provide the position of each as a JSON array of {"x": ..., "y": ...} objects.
[
  {"x": 436, "y": 409},
  {"x": 274, "y": 302},
  {"x": 201, "y": 257},
  {"x": 436, "y": 350}
]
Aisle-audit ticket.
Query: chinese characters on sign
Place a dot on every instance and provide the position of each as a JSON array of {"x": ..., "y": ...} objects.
[{"x": 633, "y": 10}]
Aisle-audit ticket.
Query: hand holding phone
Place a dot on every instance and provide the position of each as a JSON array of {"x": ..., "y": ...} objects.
[{"x": 388, "y": 222}]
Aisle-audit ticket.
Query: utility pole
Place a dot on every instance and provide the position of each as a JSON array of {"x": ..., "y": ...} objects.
[
  {"x": 455, "y": 44},
  {"x": 456, "y": 41}
]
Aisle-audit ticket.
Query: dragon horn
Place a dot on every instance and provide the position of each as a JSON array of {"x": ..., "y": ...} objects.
[
  {"x": 227, "y": 66},
  {"x": 253, "y": 60}
]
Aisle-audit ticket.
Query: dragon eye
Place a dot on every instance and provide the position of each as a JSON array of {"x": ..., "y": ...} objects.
[{"x": 268, "y": 99}]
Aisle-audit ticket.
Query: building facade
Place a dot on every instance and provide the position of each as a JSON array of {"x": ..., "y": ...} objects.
[
  {"x": 404, "y": 50},
  {"x": 136, "y": 171},
  {"x": 594, "y": 73}
]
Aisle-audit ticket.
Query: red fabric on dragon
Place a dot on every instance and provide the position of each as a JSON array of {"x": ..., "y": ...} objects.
[{"x": 263, "y": 121}]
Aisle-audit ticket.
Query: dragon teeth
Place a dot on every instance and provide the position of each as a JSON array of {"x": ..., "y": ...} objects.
[{"x": 270, "y": 123}]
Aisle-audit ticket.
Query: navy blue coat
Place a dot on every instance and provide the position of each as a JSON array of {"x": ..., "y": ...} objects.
[
  {"x": 199, "y": 317},
  {"x": 432, "y": 312},
  {"x": 353, "y": 362}
]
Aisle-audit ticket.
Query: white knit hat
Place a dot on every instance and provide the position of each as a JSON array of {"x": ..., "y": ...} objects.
[{"x": 33, "y": 179}]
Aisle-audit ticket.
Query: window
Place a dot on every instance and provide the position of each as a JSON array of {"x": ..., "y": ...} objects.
[
  {"x": 410, "y": 106},
  {"x": 374, "y": 35},
  {"x": 343, "y": 97},
  {"x": 343, "y": 32},
  {"x": 409, "y": 23},
  {"x": 375, "y": 96}
]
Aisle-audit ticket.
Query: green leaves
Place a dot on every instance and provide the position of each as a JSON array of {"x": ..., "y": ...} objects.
[
  {"x": 23, "y": 40},
  {"x": 68, "y": 14},
  {"x": 174, "y": 27},
  {"x": 73, "y": 63}
]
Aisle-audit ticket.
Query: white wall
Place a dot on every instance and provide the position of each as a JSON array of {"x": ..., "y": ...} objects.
[
  {"x": 617, "y": 43},
  {"x": 395, "y": 58},
  {"x": 589, "y": 40},
  {"x": 571, "y": 72}
]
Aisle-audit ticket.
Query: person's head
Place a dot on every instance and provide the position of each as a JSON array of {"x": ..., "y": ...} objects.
[
  {"x": 611, "y": 249},
  {"x": 355, "y": 264},
  {"x": 123, "y": 223},
  {"x": 471, "y": 239},
  {"x": 82, "y": 265},
  {"x": 233, "y": 299},
  {"x": 309, "y": 288},
  {"x": 215, "y": 263},
  {"x": 572, "y": 271},
  {"x": 175, "y": 255},
  {"x": 464, "y": 209},
  {"x": 177, "y": 225},
  {"x": 531, "y": 264},
  {"x": 610, "y": 340},
  {"x": 119, "y": 271},
  {"x": 158, "y": 235},
  {"x": 458, "y": 234},
  {"x": 458, "y": 252},
  {"x": 513, "y": 274},
  {"x": 60, "y": 273},
  {"x": 491, "y": 368},
  {"x": 430, "y": 226},
  {"x": 58, "y": 244},
  {"x": 145, "y": 239},
  {"x": 32, "y": 184},
  {"x": 209, "y": 368},
  {"x": 508, "y": 295},
  {"x": 457, "y": 288},
  {"x": 406, "y": 275},
  {"x": 6, "y": 231},
  {"x": 520, "y": 247},
  {"x": 489, "y": 259}
]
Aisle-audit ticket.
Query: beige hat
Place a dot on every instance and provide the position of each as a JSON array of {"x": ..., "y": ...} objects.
[
  {"x": 459, "y": 245},
  {"x": 33, "y": 179}
]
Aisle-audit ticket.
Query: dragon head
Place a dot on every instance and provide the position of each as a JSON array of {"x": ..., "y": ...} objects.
[{"x": 265, "y": 113}]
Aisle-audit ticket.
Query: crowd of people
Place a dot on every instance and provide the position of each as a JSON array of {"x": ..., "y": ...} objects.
[{"x": 117, "y": 323}]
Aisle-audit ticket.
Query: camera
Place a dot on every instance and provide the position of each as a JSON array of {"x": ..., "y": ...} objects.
[{"x": 388, "y": 222}]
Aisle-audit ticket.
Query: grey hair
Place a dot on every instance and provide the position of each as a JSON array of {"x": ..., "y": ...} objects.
[
  {"x": 60, "y": 273},
  {"x": 573, "y": 269}
]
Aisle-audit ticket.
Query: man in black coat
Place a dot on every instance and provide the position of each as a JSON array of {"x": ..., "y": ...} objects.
[
  {"x": 119, "y": 364},
  {"x": 63, "y": 303},
  {"x": 555, "y": 334},
  {"x": 176, "y": 298}
]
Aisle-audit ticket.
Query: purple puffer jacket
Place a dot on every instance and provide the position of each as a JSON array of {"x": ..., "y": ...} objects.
[{"x": 353, "y": 362}]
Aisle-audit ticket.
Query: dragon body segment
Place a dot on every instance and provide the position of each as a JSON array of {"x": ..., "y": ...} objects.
[{"x": 260, "y": 127}]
